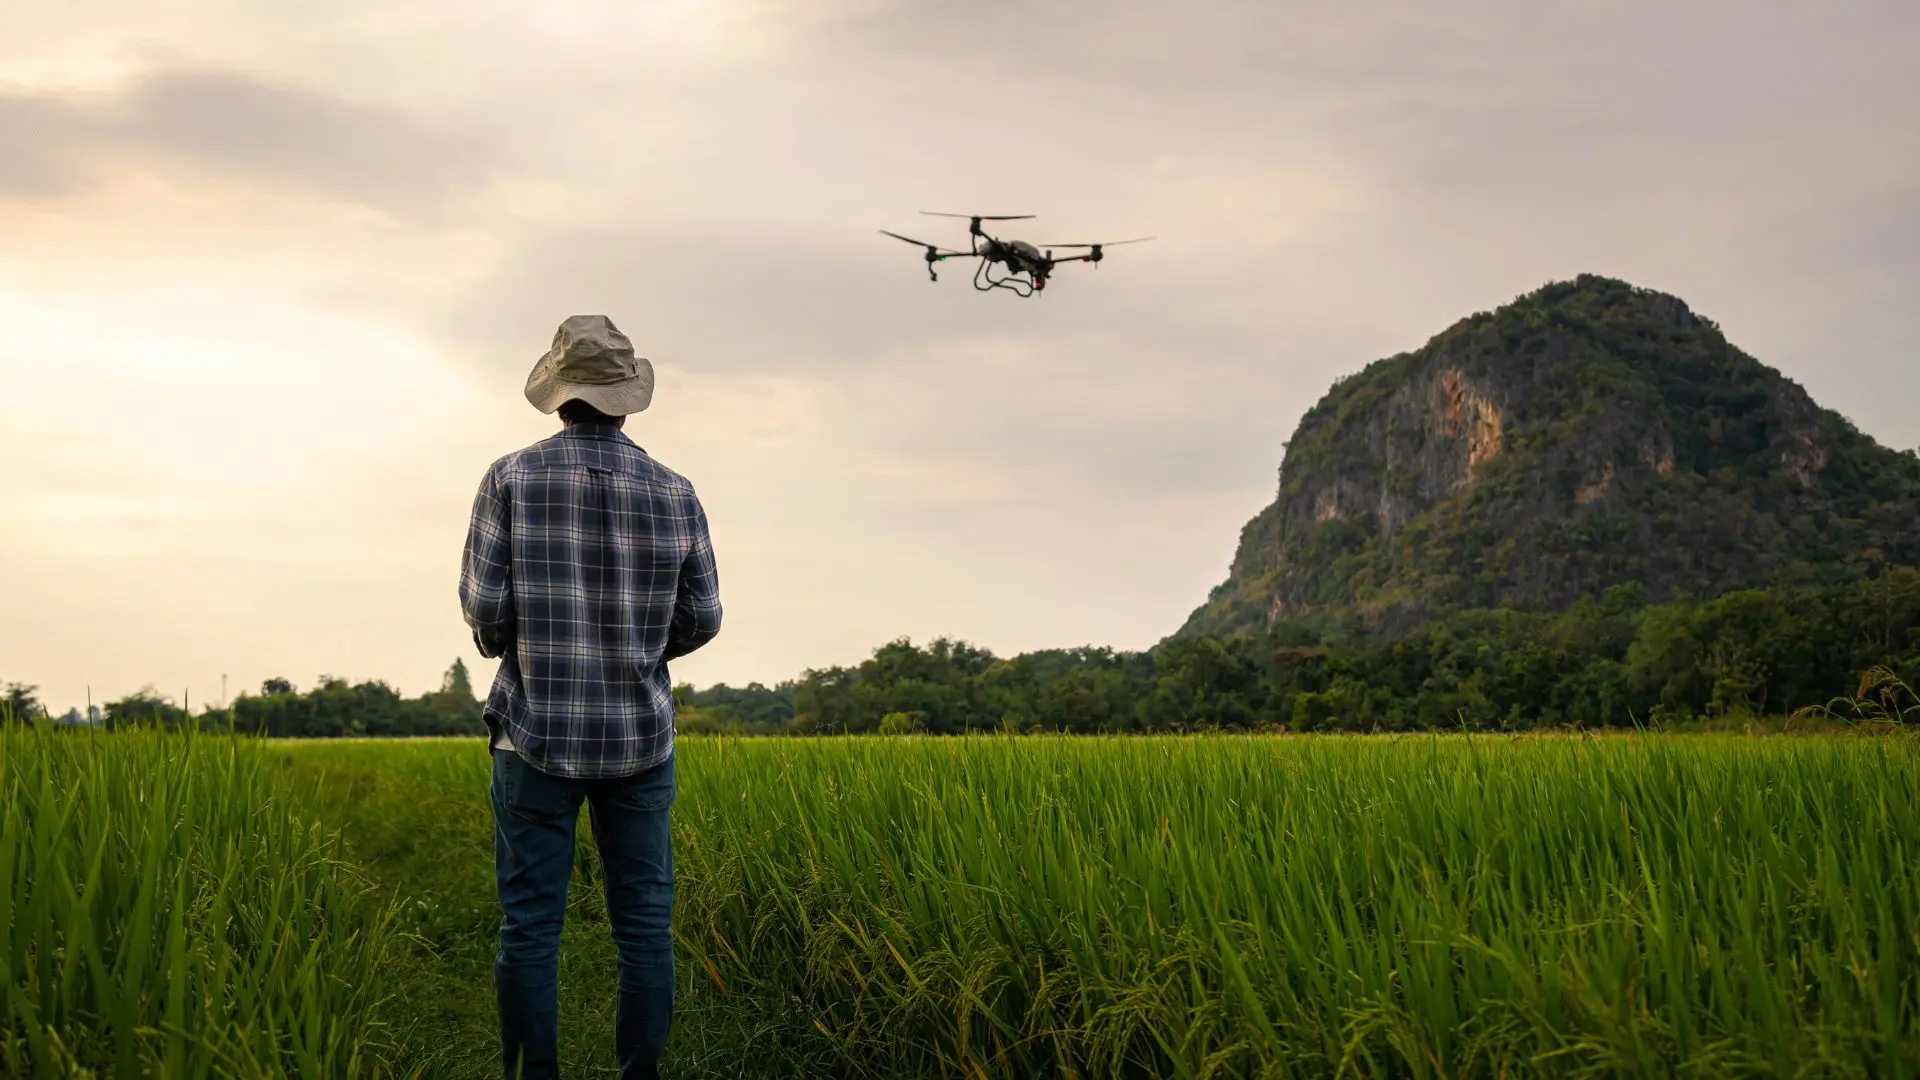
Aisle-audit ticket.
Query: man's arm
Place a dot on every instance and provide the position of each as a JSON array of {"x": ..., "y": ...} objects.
[
  {"x": 696, "y": 611},
  {"x": 486, "y": 570}
]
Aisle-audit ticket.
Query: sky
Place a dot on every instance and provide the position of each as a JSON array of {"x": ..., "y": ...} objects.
[{"x": 272, "y": 277}]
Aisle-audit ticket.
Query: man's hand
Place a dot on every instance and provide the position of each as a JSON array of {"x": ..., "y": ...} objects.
[
  {"x": 696, "y": 611},
  {"x": 491, "y": 643}
]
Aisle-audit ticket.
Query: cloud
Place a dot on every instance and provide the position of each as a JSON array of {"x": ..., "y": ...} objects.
[
  {"x": 1106, "y": 384},
  {"x": 1085, "y": 417},
  {"x": 41, "y": 144},
  {"x": 227, "y": 125},
  {"x": 780, "y": 298}
]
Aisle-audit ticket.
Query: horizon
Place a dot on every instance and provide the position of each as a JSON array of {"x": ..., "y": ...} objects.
[{"x": 297, "y": 265}]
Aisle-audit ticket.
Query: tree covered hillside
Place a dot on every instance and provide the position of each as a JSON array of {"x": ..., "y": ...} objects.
[{"x": 1587, "y": 435}]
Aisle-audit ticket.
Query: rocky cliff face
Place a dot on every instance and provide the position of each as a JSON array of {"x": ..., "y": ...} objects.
[{"x": 1589, "y": 434}]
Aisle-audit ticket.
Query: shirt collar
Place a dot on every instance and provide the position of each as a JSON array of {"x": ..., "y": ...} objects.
[{"x": 606, "y": 432}]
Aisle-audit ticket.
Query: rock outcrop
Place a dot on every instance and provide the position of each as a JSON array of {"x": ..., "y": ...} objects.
[{"x": 1590, "y": 434}]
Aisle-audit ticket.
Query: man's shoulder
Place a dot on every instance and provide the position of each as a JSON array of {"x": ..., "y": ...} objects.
[
  {"x": 659, "y": 470},
  {"x": 620, "y": 454},
  {"x": 506, "y": 464},
  {"x": 663, "y": 477}
]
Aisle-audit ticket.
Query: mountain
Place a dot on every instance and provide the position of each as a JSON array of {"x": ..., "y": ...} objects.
[{"x": 1589, "y": 434}]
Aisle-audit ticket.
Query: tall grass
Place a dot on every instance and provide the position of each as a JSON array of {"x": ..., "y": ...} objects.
[
  {"x": 1016, "y": 907},
  {"x": 166, "y": 912},
  {"x": 1883, "y": 701},
  {"x": 1259, "y": 907},
  {"x": 415, "y": 814}
]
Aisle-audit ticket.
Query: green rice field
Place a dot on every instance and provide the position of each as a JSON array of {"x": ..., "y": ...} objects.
[{"x": 995, "y": 906}]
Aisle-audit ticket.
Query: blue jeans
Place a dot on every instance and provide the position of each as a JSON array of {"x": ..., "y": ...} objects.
[{"x": 534, "y": 815}]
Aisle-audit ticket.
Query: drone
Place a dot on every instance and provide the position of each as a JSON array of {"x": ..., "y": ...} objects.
[{"x": 1027, "y": 265}]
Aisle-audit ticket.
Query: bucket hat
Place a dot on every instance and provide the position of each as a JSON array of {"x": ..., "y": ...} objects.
[{"x": 592, "y": 360}]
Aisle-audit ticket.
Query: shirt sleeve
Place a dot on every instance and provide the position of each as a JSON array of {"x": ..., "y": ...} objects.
[
  {"x": 486, "y": 571},
  {"x": 696, "y": 610}
]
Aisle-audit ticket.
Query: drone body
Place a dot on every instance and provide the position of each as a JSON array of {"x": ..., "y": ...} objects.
[{"x": 1027, "y": 266}]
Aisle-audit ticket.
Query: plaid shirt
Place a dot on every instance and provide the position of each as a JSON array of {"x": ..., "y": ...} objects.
[{"x": 587, "y": 568}]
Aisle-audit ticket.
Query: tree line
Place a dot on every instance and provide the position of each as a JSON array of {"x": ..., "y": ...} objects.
[
  {"x": 1609, "y": 661},
  {"x": 332, "y": 708}
]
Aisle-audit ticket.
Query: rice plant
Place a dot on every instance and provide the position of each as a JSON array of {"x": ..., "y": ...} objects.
[
  {"x": 165, "y": 911},
  {"x": 997, "y": 906},
  {"x": 1883, "y": 701},
  {"x": 1275, "y": 907}
]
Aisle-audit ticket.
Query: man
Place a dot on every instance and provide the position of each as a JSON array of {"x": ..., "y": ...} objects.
[{"x": 587, "y": 569}]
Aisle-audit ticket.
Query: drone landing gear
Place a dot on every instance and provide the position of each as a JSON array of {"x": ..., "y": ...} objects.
[{"x": 984, "y": 281}]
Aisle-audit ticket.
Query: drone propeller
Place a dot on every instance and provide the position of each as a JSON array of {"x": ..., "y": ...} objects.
[
  {"x": 932, "y": 251},
  {"x": 933, "y": 254},
  {"x": 1105, "y": 244},
  {"x": 980, "y": 217},
  {"x": 1095, "y": 252}
]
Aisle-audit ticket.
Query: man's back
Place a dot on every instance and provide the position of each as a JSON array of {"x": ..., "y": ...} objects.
[{"x": 587, "y": 568}]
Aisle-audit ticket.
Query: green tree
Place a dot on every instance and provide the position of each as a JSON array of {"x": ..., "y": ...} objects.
[
  {"x": 19, "y": 702},
  {"x": 145, "y": 707},
  {"x": 457, "y": 684}
]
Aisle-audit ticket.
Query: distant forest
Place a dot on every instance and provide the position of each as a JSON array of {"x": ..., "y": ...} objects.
[
  {"x": 1611, "y": 661},
  {"x": 332, "y": 708}
]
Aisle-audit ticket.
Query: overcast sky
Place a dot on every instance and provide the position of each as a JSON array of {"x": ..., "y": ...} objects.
[{"x": 272, "y": 276}]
